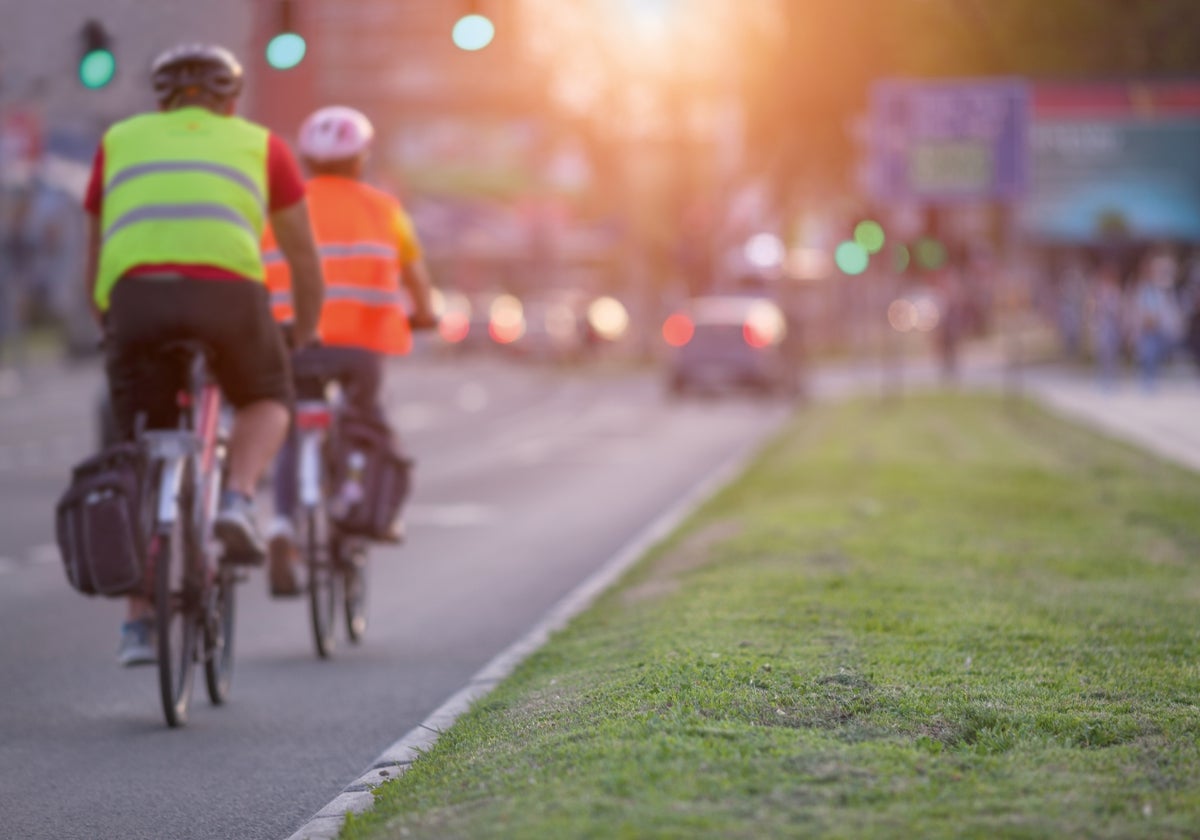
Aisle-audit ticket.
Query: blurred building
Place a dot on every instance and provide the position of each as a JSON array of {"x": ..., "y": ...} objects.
[{"x": 41, "y": 44}]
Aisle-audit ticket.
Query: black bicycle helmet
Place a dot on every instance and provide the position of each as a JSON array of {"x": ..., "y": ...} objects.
[{"x": 204, "y": 66}]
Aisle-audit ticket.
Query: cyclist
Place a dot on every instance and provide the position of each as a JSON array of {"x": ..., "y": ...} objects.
[
  {"x": 178, "y": 200},
  {"x": 368, "y": 249}
]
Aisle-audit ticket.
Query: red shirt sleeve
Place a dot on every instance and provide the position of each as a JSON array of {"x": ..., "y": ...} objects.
[
  {"x": 285, "y": 182},
  {"x": 94, "y": 197}
]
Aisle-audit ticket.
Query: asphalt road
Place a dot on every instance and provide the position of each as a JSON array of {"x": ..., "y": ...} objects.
[{"x": 527, "y": 480}]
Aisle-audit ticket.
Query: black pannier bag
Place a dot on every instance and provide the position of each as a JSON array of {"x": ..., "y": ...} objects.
[
  {"x": 97, "y": 523},
  {"x": 370, "y": 479}
]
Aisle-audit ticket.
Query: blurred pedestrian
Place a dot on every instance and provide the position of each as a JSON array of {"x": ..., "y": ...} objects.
[
  {"x": 1155, "y": 319},
  {"x": 948, "y": 335},
  {"x": 16, "y": 255},
  {"x": 1107, "y": 311},
  {"x": 1072, "y": 300}
]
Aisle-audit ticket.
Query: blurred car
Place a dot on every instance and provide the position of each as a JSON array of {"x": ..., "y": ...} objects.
[{"x": 729, "y": 343}]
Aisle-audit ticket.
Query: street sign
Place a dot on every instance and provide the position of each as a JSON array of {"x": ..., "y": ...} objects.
[{"x": 946, "y": 141}]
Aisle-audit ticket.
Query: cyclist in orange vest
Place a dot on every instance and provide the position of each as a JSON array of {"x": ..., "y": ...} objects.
[{"x": 368, "y": 249}]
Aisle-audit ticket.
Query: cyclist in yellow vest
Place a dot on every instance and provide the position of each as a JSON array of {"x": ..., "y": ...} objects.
[
  {"x": 369, "y": 251},
  {"x": 178, "y": 201}
]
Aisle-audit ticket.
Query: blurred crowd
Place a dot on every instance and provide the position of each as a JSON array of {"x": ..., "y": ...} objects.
[
  {"x": 1140, "y": 308},
  {"x": 41, "y": 269}
]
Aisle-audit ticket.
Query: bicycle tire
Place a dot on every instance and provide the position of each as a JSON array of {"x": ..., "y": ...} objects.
[
  {"x": 218, "y": 635},
  {"x": 322, "y": 581},
  {"x": 354, "y": 592},
  {"x": 176, "y": 608}
]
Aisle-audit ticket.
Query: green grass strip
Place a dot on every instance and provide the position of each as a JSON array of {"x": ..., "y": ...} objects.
[{"x": 951, "y": 616}]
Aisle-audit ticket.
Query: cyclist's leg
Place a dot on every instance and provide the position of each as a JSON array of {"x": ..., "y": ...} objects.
[
  {"x": 139, "y": 382},
  {"x": 250, "y": 364}
]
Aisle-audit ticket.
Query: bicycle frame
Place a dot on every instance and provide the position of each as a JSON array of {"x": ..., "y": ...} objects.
[{"x": 198, "y": 435}]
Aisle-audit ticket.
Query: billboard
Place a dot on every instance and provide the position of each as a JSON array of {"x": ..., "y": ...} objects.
[
  {"x": 947, "y": 141},
  {"x": 1114, "y": 161}
]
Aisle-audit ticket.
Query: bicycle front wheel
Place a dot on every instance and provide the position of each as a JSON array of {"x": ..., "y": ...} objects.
[
  {"x": 177, "y": 622},
  {"x": 322, "y": 580},
  {"x": 218, "y": 635}
]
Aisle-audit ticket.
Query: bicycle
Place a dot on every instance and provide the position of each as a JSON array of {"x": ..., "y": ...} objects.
[
  {"x": 192, "y": 590},
  {"x": 334, "y": 561}
]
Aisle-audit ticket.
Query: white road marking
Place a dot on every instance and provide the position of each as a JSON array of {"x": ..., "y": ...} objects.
[{"x": 460, "y": 515}]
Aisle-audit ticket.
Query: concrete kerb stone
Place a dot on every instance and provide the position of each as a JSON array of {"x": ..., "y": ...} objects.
[{"x": 358, "y": 796}]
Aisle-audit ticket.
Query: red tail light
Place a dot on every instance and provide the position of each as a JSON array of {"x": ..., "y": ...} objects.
[
  {"x": 754, "y": 337},
  {"x": 678, "y": 330},
  {"x": 313, "y": 417},
  {"x": 454, "y": 327}
]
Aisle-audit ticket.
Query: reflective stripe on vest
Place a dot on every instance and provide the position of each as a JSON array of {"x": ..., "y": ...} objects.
[
  {"x": 178, "y": 211},
  {"x": 333, "y": 294},
  {"x": 358, "y": 249},
  {"x": 182, "y": 187},
  {"x": 221, "y": 171}
]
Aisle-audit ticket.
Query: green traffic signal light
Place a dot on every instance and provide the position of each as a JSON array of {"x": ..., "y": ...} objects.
[
  {"x": 97, "y": 68},
  {"x": 97, "y": 62},
  {"x": 286, "y": 50}
]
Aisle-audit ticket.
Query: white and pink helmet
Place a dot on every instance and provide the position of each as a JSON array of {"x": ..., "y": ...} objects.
[{"x": 335, "y": 133}]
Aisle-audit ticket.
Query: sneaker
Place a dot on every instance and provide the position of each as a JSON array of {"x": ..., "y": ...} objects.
[
  {"x": 137, "y": 643},
  {"x": 283, "y": 564},
  {"x": 235, "y": 528}
]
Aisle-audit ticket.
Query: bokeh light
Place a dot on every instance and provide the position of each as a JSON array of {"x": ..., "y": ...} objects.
[
  {"x": 286, "y": 50},
  {"x": 765, "y": 324},
  {"x": 901, "y": 257},
  {"x": 902, "y": 315},
  {"x": 851, "y": 258},
  {"x": 928, "y": 314},
  {"x": 608, "y": 318},
  {"x": 765, "y": 250},
  {"x": 930, "y": 253},
  {"x": 678, "y": 330},
  {"x": 473, "y": 32},
  {"x": 506, "y": 319},
  {"x": 869, "y": 234}
]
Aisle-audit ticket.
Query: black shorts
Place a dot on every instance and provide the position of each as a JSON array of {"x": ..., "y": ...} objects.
[{"x": 232, "y": 317}]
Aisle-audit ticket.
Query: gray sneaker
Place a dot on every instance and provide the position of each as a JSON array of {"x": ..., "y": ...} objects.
[
  {"x": 137, "y": 643},
  {"x": 235, "y": 528}
]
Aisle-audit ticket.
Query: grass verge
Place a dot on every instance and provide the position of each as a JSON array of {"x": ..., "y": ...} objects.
[{"x": 947, "y": 617}]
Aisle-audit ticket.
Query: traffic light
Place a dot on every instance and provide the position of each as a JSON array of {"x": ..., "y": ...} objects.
[
  {"x": 97, "y": 64},
  {"x": 473, "y": 31},
  {"x": 287, "y": 47}
]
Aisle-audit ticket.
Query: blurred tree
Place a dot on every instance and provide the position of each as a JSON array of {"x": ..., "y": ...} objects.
[{"x": 807, "y": 74}]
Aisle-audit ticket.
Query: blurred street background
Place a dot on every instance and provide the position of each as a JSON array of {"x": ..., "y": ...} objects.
[{"x": 923, "y": 172}]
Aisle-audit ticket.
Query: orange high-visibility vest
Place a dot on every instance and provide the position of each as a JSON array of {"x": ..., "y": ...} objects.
[{"x": 363, "y": 236}]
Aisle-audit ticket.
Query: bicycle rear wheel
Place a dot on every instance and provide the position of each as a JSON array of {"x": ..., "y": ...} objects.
[
  {"x": 218, "y": 635},
  {"x": 322, "y": 579},
  {"x": 177, "y": 593}
]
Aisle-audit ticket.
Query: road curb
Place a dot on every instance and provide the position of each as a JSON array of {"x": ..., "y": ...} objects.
[{"x": 393, "y": 761}]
